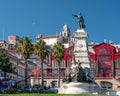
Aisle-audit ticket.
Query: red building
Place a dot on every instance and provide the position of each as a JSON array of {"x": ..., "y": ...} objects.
[
  {"x": 51, "y": 70},
  {"x": 105, "y": 59}
]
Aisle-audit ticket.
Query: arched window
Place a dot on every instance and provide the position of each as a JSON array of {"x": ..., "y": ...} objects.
[
  {"x": 104, "y": 57},
  {"x": 104, "y": 51},
  {"x": 65, "y": 34},
  {"x": 106, "y": 85},
  {"x": 104, "y": 62}
]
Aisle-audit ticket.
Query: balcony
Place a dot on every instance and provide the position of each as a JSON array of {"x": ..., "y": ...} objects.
[{"x": 50, "y": 76}]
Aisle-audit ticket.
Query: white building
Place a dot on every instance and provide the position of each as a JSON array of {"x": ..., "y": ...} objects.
[{"x": 51, "y": 70}]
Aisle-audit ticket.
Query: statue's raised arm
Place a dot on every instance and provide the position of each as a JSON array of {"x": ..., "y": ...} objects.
[
  {"x": 74, "y": 15},
  {"x": 80, "y": 20}
]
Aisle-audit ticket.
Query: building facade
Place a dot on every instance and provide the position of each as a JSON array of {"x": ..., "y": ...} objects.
[
  {"x": 50, "y": 71},
  {"x": 105, "y": 60},
  {"x": 16, "y": 60},
  {"x": 13, "y": 41}
]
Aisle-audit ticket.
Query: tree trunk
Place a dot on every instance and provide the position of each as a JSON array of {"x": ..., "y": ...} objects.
[
  {"x": 58, "y": 73},
  {"x": 42, "y": 74},
  {"x": 26, "y": 72}
]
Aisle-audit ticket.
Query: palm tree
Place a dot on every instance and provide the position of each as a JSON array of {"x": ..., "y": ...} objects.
[
  {"x": 42, "y": 51},
  {"x": 58, "y": 53},
  {"x": 25, "y": 48},
  {"x": 5, "y": 64}
]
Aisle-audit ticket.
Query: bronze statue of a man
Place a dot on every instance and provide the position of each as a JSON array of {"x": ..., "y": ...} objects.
[{"x": 80, "y": 20}]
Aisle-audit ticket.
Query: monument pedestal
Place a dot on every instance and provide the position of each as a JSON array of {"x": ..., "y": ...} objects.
[
  {"x": 79, "y": 78},
  {"x": 78, "y": 88}
]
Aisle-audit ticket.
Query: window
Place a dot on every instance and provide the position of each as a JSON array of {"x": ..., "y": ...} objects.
[
  {"x": 102, "y": 58},
  {"x": 106, "y": 85},
  {"x": 54, "y": 84},
  {"x": 64, "y": 34},
  {"x": 54, "y": 63},
  {"x": 55, "y": 71},
  {"x": 117, "y": 63},
  {"x": 44, "y": 83},
  {"x": 104, "y": 51},
  {"x": 104, "y": 63}
]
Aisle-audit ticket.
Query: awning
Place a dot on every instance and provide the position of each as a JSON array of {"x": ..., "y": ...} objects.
[{"x": 36, "y": 71}]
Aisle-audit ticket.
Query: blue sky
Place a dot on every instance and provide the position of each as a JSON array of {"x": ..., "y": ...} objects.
[{"x": 32, "y": 17}]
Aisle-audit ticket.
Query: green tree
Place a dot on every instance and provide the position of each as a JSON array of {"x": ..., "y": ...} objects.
[
  {"x": 25, "y": 48},
  {"x": 42, "y": 51},
  {"x": 58, "y": 53},
  {"x": 5, "y": 64}
]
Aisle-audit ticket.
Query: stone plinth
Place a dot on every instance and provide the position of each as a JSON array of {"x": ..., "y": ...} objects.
[{"x": 78, "y": 88}]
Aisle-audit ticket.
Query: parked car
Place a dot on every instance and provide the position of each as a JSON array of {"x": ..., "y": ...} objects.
[
  {"x": 53, "y": 89},
  {"x": 35, "y": 88}
]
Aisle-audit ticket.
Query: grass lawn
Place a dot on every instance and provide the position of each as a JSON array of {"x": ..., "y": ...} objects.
[{"x": 35, "y": 94}]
